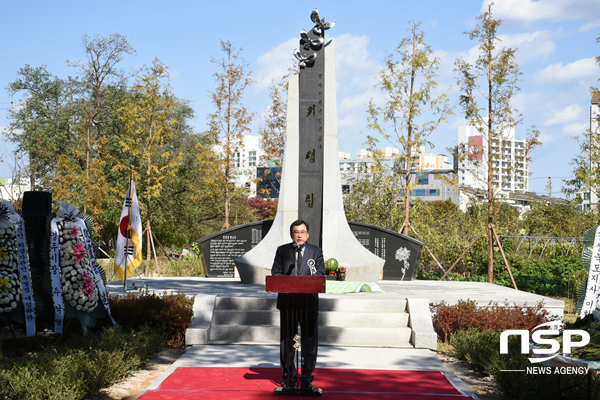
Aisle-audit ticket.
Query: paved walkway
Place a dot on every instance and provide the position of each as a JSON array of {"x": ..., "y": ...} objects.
[{"x": 334, "y": 356}]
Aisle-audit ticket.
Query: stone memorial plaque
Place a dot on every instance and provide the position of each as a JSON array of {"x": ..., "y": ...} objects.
[
  {"x": 222, "y": 248},
  {"x": 402, "y": 254}
]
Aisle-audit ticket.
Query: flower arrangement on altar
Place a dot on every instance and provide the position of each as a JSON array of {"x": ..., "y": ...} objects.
[{"x": 78, "y": 288}]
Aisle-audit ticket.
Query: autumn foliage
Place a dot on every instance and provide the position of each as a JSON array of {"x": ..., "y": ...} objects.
[
  {"x": 265, "y": 208},
  {"x": 172, "y": 312},
  {"x": 449, "y": 319}
]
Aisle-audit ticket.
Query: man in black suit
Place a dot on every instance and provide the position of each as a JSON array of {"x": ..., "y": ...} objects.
[{"x": 309, "y": 261}]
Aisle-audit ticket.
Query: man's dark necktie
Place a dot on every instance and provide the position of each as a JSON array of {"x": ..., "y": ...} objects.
[{"x": 299, "y": 261}]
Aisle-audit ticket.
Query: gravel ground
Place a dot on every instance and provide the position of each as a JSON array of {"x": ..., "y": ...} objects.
[
  {"x": 136, "y": 382},
  {"x": 481, "y": 384}
]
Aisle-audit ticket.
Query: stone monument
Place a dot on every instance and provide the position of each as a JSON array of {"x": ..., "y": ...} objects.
[{"x": 311, "y": 182}]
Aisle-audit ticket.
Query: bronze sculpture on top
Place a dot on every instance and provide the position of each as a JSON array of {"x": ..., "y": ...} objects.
[{"x": 311, "y": 182}]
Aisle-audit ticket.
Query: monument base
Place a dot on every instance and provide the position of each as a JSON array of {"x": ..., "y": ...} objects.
[
  {"x": 285, "y": 391},
  {"x": 251, "y": 270}
]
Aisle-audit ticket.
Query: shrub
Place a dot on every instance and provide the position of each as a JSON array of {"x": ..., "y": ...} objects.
[
  {"x": 170, "y": 312},
  {"x": 187, "y": 267},
  {"x": 556, "y": 276},
  {"x": 482, "y": 349},
  {"x": 477, "y": 347},
  {"x": 80, "y": 366},
  {"x": 449, "y": 319},
  {"x": 590, "y": 351}
]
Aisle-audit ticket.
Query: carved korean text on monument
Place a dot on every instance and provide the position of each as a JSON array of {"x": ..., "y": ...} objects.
[
  {"x": 221, "y": 249},
  {"x": 311, "y": 59}
]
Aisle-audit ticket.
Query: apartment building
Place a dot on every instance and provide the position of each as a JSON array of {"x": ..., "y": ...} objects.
[
  {"x": 245, "y": 162},
  {"x": 431, "y": 174},
  {"x": 429, "y": 161},
  {"x": 11, "y": 189},
  {"x": 590, "y": 197},
  {"x": 510, "y": 165}
]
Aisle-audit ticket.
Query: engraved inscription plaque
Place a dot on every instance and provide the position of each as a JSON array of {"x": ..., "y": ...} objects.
[
  {"x": 402, "y": 254},
  {"x": 221, "y": 249}
]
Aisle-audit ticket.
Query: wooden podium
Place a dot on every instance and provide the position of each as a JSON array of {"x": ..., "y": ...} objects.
[{"x": 302, "y": 285}]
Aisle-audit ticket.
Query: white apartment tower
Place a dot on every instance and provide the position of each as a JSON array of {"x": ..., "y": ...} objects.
[
  {"x": 246, "y": 159},
  {"x": 590, "y": 197},
  {"x": 510, "y": 165},
  {"x": 246, "y": 162}
]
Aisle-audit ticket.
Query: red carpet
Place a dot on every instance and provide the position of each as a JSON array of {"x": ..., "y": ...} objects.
[{"x": 337, "y": 384}]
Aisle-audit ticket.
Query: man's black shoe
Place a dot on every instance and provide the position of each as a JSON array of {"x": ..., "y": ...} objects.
[{"x": 307, "y": 385}]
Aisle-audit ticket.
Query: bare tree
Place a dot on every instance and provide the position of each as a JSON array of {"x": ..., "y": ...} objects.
[
  {"x": 413, "y": 108},
  {"x": 488, "y": 88},
  {"x": 230, "y": 119}
]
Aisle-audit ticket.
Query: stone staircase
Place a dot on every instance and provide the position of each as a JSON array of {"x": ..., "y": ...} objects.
[{"x": 344, "y": 320}]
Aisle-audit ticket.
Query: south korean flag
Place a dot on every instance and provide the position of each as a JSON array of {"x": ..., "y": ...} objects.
[{"x": 129, "y": 238}]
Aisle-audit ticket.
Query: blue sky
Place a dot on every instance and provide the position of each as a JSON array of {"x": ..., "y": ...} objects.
[{"x": 556, "y": 41}]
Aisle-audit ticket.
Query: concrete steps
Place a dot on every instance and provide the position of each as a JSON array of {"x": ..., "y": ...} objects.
[
  {"x": 342, "y": 321},
  {"x": 328, "y": 335},
  {"x": 326, "y": 318}
]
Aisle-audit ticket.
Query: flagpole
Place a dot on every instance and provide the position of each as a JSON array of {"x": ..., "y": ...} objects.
[
  {"x": 130, "y": 197},
  {"x": 129, "y": 234}
]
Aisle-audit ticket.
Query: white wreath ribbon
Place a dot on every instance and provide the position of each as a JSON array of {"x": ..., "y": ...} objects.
[
  {"x": 55, "y": 276},
  {"x": 26, "y": 289},
  {"x": 95, "y": 268},
  {"x": 591, "y": 294}
]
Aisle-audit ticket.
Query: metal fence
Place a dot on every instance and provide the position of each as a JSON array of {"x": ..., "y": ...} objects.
[{"x": 534, "y": 245}]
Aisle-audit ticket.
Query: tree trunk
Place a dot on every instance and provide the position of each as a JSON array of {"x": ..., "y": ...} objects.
[
  {"x": 406, "y": 224},
  {"x": 490, "y": 173},
  {"x": 31, "y": 177},
  {"x": 87, "y": 168},
  {"x": 148, "y": 231},
  {"x": 226, "y": 224},
  {"x": 409, "y": 137},
  {"x": 148, "y": 246},
  {"x": 148, "y": 180},
  {"x": 229, "y": 145}
]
